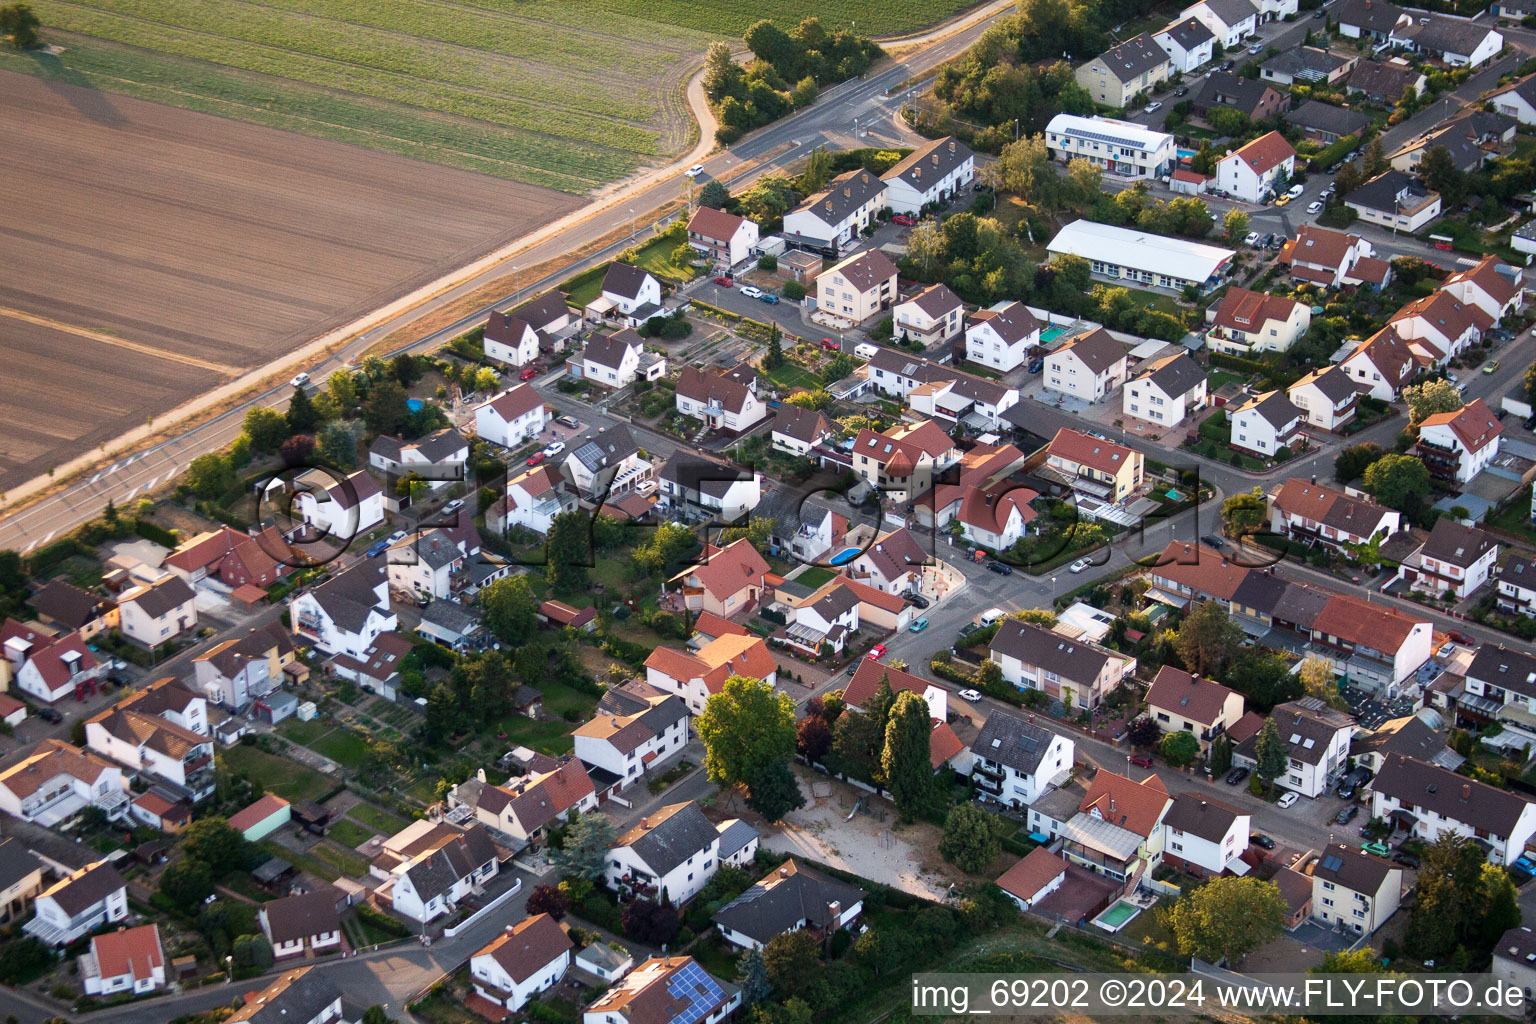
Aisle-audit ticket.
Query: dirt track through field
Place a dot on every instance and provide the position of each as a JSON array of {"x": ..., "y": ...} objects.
[{"x": 150, "y": 251}]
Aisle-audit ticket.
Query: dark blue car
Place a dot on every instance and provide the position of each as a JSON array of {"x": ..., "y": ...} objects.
[{"x": 378, "y": 549}]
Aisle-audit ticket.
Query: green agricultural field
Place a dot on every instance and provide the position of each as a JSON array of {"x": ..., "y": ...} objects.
[{"x": 569, "y": 96}]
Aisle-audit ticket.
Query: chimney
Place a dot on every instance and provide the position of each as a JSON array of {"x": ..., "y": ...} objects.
[
  {"x": 1466, "y": 791},
  {"x": 645, "y": 822},
  {"x": 783, "y": 872},
  {"x": 847, "y": 192},
  {"x": 833, "y": 909},
  {"x": 1314, "y": 479},
  {"x": 951, "y": 145}
]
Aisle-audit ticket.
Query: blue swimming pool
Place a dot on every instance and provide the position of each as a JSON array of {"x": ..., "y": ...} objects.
[
  {"x": 414, "y": 404},
  {"x": 845, "y": 556}
]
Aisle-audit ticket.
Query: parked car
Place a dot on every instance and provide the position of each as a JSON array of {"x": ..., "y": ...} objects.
[
  {"x": 453, "y": 506},
  {"x": 1252, "y": 239},
  {"x": 770, "y": 298},
  {"x": 528, "y": 373},
  {"x": 1282, "y": 199},
  {"x": 1229, "y": 65},
  {"x": 917, "y": 601},
  {"x": 1379, "y": 849},
  {"x": 1405, "y": 858},
  {"x": 1081, "y": 565},
  {"x": 1459, "y": 637},
  {"x": 567, "y": 421},
  {"x": 1346, "y": 790},
  {"x": 831, "y": 345},
  {"x": 970, "y": 695},
  {"x": 1141, "y": 760},
  {"x": 1319, "y": 13},
  {"x": 876, "y": 652},
  {"x": 1290, "y": 798},
  {"x": 695, "y": 170},
  {"x": 536, "y": 458},
  {"x": 377, "y": 549},
  {"x": 1261, "y": 840},
  {"x": 1001, "y": 568},
  {"x": 918, "y": 626},
  {"x": 645, "y": 487},
  {"x": 1315, "y": 206},
  {"x": 1236, "y": 776},
  {"x": 1491, "y": 366},
  {"x": 751, "y": 291},
  {"x": 1295, "y": 191},
  {"x": 725, "y": 282},
  {"x": 1346, "y": 815},
  {"x": 1182, "y": 90},
  {"x": 50, "y": 715},
  {"x": 904, "y": 219},
  {"x": 300, "y": 380},
  {"x": 1256, "y": 49},
  {"x": 395, "y": 538},
  {"x": 1153, "y": 107},
  {"x": 1212, "y": 540}
]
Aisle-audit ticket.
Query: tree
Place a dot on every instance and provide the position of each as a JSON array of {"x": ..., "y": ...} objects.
[
  {"x": 584, "y": 854},
  {"x": 1221, "y": 754},
  {"x": 654, "y": 924},
  {"x": 905, "y": 761},
  {"x": 302, "y": 415},
  {"x": 1373, "y": 160},
  {"x": 486, "y": 380},
  {"x": 773, "y": 791},
  {"x": 774, "y": 357},
  {"x": 1270, "y": 753},
  {"x": 19, "y": 23},
  {"x": 1347, "y": 180},
  {"x": 1430, "y": 397},
  {"x": 813, "y": 738},
  {"x": 1180, "y": 748},
  {"x": 1144, "y": 732},
  {"x": 296, "y": 451},
  {"x": 969, "y": 842},
  {"x": 267, "y": 428},
  {"x": 1227, "y": 918},
  {"x": 442, "y": 715},
  {"x": 1243, "y": 514},
  {"x": 1498, "y": 906},
  {"x": 1026, "y": 169},
  {"x": 338, "y": 446},
  {"x": 568, "y": 552},
  {"x": 376, "y": 1014},
  {"x": 925, "y": 244},
  {"x": 385, "y": 410},
  {"x": 406, "y": 368},
  {"x": 854, "y": 737},
  {"x": 253, "y": 951},
  {"x": 187, "y": 883},
  {"x": 818, "y": 168},
  {"x": 721, "y": 73},
  {"x": 714, "y": 195},
  {"x": 342, "y": 387},
  {"x": 756, "y": 533},
  {"x": 1440, "y": 173},
  {"x": 511, "y": 610},
  {"x": 547, "y": 899},
  {"x": 792, "y": 959},
  {"x": 1448, "y": 910},
  {"x": 1085, "y": 183},
  {"x": 219, "y": 845},
  {"x": 1235, "y": 225},
  {"x": 745, "y": 728},
  {"x": 1355, "y": 460},
  {"x": 752, "y": 975},
  {"x": 1317, "y": 680},
  {"x": 1207, "y": 639},
  {"x": 210, "y": 475},
  {"x": 1530, "y": 383},
  {"x": 1398, "y": 481}
]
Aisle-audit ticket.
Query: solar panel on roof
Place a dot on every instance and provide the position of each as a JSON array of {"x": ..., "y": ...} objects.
[
  {"x": 1332, "y": 863},
  {"x": 1029, "y": 743},
  {"x": 1108, "y": 139}
]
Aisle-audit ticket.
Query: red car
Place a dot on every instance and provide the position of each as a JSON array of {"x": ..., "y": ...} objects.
[
  {"x": 876, "y": 652},
  {"x": 528, "y": 374},
  {"x": 536, "y": 458},
  {"x": 904, "y": 219},
  {"x": 1141, "y": 760},
  {"x": 830, "y": 345},
  {"x": 725, "y": 282},
  {"x": 1458, "y": 637}
]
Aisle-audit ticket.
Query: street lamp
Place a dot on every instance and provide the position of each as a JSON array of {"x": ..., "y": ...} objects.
[
  {"x": 229, "y": 968},
  {"x": 631, "y": 223}
]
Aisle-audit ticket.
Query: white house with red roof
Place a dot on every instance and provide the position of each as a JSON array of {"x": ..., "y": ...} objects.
[
  {"x": 1252, "y": 171},
  {"x": 1377, "y": 646},
  {"x": 1002, "y": 335},
  {"x": 616, "y": 360},
  {"x": 127, "y": 960},
  {"x": 1491, "y": 285},
  {"x": 1096, "y": 466},
  {"x": 902, "y": 461},
  {"x": 695, "y": 676},
  {"x": 1456, "y": 446},
  {"x": 723, "y": 237},
  {"x": 1324, "y": 257},
  {"x": 1440, "y": 327},
  {"x": 510, "y": 339},
  {"x": 1118, "y": 828},
  {"x": 1180, "y": 702},
  {"x": 722, "y": 401},
  {"x": 1247, "y": 322},
  {"x": 944, "y": 746},
  {"x": 512, "y": 417},
  {"x": 1316, "y": 513},
  {"x": 996, "y": 517},
  {"x": 1033, "y": 878},
  {"x": 727, "y": 581},
  {"x": 893, "y": 563},
  {"x": 534, "y": 498},
  {"x": 47, "y": 667},
  {"x": 525, "y": 959},
  {"x": 524, "y": 806},
  {"x": 1383, "y": 365},
  {"x": 57, "y": 781}
]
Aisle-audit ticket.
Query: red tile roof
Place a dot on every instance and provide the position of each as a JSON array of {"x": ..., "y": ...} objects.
[
  {"x": 1365, "y": 623},
  {"x": 714, "y": 224},
  {"x": 866, "y": 680},
  {"x": 131, "y": 951},
  {"x": 1075, "y": 446},
  {"x": 529, "y": 946},
  {"x": 1243, "y": 310},
  {"x": 1199, "y": 700},
  {"x": 728, "y": 570},
  {"x": 257, "y": 812},
  {"x": 1032, "y": 873},
  {"x": 1136, "y": 806},
  {"x": 1474, "y": 424},
  {"x": 1264, "y": 152}
]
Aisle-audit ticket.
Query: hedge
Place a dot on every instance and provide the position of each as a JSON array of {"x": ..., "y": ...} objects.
[
  {"x": 50, "y": 556},
  {"x": 381, "y": 920},
  {"x": 155, "y": 532},
  {"x": 1333, "y": 153}
]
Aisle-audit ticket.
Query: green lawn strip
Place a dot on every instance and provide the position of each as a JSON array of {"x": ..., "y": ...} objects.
[
  {"x": 242, "y": 883},
  {"x": 380, "y": 821},
  {"x": 369, "y": 934},
  {"x": 815, "y": 576},
  {"x": 1516, "y": 516},
  {"x": 348, "y": 862},
  {"x": 350, "y": 833},
  {"x": 304, "y": 862},
  {"x": 550, "y": 738},
  {"x": 303, "y": 733},
  {"x": 343, "y": 746},
  {"x": 288, "y": 779},
  {"x": 790, "y": 375}
]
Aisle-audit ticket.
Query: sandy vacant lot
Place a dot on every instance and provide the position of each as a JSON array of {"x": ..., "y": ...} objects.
[{"x": 220, "y": 241}]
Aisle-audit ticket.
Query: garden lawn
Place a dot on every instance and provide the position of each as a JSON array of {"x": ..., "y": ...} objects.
[
  {"x": 1515, "y": 517},
  {"x": 343, "y": 746},
  {"x": 303, "y": 733},
  {"x": 378, "y": 820},
  {"x": 816, "y": 576},
  {"x": 1219, "y": 379},
  {"x": 656, "y": 256},
  {"x": 790, "y": 375},
  {"x": 350, "y": 833},
  {"x": 288, "y": 779},
  {"x": 347, "y": 862}
]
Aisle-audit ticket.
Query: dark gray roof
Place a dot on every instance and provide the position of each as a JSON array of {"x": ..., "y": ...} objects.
[
  {"x": 1382, "y": 192},
  {"x": 1013, "y": 322},
  {"x": 1416, "y": 784},
  {"x": 930, "y": 162},
  {"x": 1233, "y": 12},
  {"x": 735, "y": 836},
  {"x": 1456, "y": 544},
  {"x": 608, "y": 447},
  {"x": 1012, "y": 740},
  {"x": 936, "y": 300},
  {"x": 16, "y": 862},
  {"x": 1300, "y": 605},
  {"x": 1375, "y": 15},
  {"x": 623, "y": 279},
  {"x": 608, "y": 349},
  {"x": 1174, "y": 375},
  {"x": 435, "y": 874},
  {"x": 1450, "y": 35},
  {"x": 67, "y": 604},
  {"x": 450, "y": 615},
  {"x": 1353, "y": 869},
  {"x": 1134, "y": 57},
  {"x": 1518, "y": 945},
  {"x": 1326, "y": 117},
  {"x": 1260, "y": 591},
  {"x": 632, "y": 699},
  {"x": 1505, "y": 667},
  {"x": 1073, "y": 660},
  {"x": 164, "y": 596},
  {"x": 924, "y": 371},
  {"x": 1411, "y": 736},
  {"x": 1226, "y": 89},
  {"x": 844, "y": 194},
  {"x": 1307, "y": 63},
  {"x": 1201, "y": 816},
  {"x": 789, "y": 895},
  {"x": 670, "y": 836},
  {"x": 1189, "y": 33},
  {"x": 544, "y": 310},
  {"x": 838, "y": 602},
  {"x": 1520, "y": 571},
  {"x": 1333, "y": 383},
  {"x": 1377, "y": 79},
  {"x": 296, "y": 997},
  {"x": 803, "y": 425},
  {"x": 349, "y": 597},
  {"x": 1274, "y": 408},
  {"x": 695, "y": 473},
  {"x": 1306, "y": 727},
  {"x": 90, "y": 887},
  {"x": 295, "y": 918}
]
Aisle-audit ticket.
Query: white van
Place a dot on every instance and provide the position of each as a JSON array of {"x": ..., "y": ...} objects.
[
  {"x": 866, "y": 350},
  {"x": 991, "y": 616}
]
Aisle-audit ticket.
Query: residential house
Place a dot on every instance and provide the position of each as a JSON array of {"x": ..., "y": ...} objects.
[
  {"x": 635, "y": 729},
  {"x": 513, "y": 418},
  {"x": 721, "y": 401},
  {"x": 1500, "y": 686},
  {"x": 1033, "y": 878},
  {"x": 232, "y": 557},
  {"x": 1187, "y": 42},
  {"x": 1167, "y": 391},
  {"x": 1118, "y": 828},
  {"x": 1439, "y": 328},
  {"x": 1089, "y": 367},
  {"x": 608, "y": 464},
  {"x": 535, "y": 496},
  {"x": 1120, "y": 148},
  {"x": 1394, "y": 200},
  {"x": 834, "y": 218},
  {"x": 823, "y": 623},
  {"x": 1141, "y": 258},
  {"x": 616, "y": 360},
  {"x": 893, "y": 563},
  {"x": 1456, "y": 446},
  {"x": 1491, "y": 286},
  {"x": 1180, "y": 702},
  {"x": 1224, "y": 90},
  {"x": 902, "y": 461},
  {"x": 1247, "y": 323},
  {"x": 21, "y": 877},
  {"x": 345, "y": 614},
  {"x": 723, "y": 237},
  {"x": 1410, "y": 736},
  {"x": 799, "y": 266},
  {"x": 58, "y": 781},
  {"x": 858, "y": 288},
  {"x": 66, "y": 608},
  {"x": 986, "y": 467},
  {"x": 790, "y": 898},
  {"x": 49, "y": 668},
  {"x": 1383, "y": 366},
  {"x": 933, "y": 173},
  {"x": 1324, "y": 257},
  {"x": 1125, "y": 71},
  {"x": 429, "y": 867},
  {"x": 727, "y": 581},
  {"x": 525, "y": 959},
  {"x": 551, "y": 318},
  {"x": 439, "y": 459},
  {"x": 712, "y": 488},
  {"x": 1102, "y": 468},
  {"x": 1376, "y": 646},
  {"x": 1326, "y": 397},
  {"x": 127, "y": 960},
  {"x": 235, "y": 672},
  {"x": 1316, "y": 739},
  {"x": 1387, "y": 82},
  {"x": 944, "y": 747},
  {"x": 1230, "y": 21},
  {"x": 797, "y": 430},
  {"x": 163, "y": 813},
  {"x": 78, "y": 903},
  {"x": 931, "y": 317},
  {"x": 674, "y": 851},
  {"x": 1205, "y": 837},
  {"x": 261, "y": 818},
  {"x": 303, "y": 923},
  {"x": 157, "y": 613},
  {"x": 428, "y": 564},
  {"x": 1370, "y": 19},
  {"x": 1514, "y": 959},
  {"x": 1258, "y": 169},
  {"x": 338, "y": 509},
  {"x": 1314, "y": 513},
  {"x": 665, "y": 990},
  {"x": 178, "y": 759},
  {"x": 1516, "y": 591},
  {"x": 693, "y": 677},
  {"x": 1456, "y": 559},
  {"x": 1326, "y": 123},
  {"x": 1353, "y": 890},
  {"x": 1078, "y": 674},
  {"x": 938, "y": 391},
  {"x": 1306, "y": 65},
  {"x": 1266, "y": 423},
  {"x": 1517, "y": 100},
  {"x": 543, "y": 797},
  {"x": 510, "y": 339},
  {"x": 1454, "y": 42},
  {"x": 995, "y": 517},
  {"x": 1429, "y": 801},
  {"x": 1016, "y": 759},
  {"x": 628, "y": 294},
  {"x": 298, "y": 996}
]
